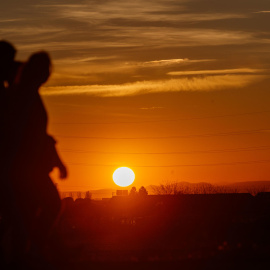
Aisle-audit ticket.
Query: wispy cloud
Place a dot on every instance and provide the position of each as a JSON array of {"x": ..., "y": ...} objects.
[
  {"x": 95, "y": 38},
  {"x": 73, "y": 60},
  {"x": 30, "y": 30},
  {"x": 10, "y": 20},
  {"x": 140, "y": 11},
  {"x": 165, "y": 62},
  {"x": 151, "y": 108},
  {"x": 210, "y": 83},
  {"x": 168, "y": 62},
  {"x": 156, "y": 38},
  {"x": 218, "y": 71},
  {"x": 134, "y": 24},
  {"x": 263, "y": 11}
]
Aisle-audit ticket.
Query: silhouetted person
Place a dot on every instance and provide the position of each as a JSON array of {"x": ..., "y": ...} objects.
[
  {"x": 32, "y": 152},
  {"x": 7, "y": 54}
]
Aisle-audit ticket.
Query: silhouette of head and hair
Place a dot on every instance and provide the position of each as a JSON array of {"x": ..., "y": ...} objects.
[
  {"x": 7, "y": 54},
  {"x": 36, "y": 70}
]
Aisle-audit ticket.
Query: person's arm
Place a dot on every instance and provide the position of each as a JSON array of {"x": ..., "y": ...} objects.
[{"x": 57, "y": 162}]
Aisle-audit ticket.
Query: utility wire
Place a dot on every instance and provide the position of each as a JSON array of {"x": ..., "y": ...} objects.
[
  {"x": 256, "y": 148},
  {"x": 177, "y": 165},
  {"x": 159, "y": 121},
  {"x": 232, "y": 133}
]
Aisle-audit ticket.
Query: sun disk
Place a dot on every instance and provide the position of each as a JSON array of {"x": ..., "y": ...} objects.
[{"x": 123, "y": 176}]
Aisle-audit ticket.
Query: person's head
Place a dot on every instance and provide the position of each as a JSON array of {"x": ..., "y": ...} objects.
[
  {"x": 7, "y": 54},
  {"x": 14, "y": 72},
  {"x": 37, "y": 69}
]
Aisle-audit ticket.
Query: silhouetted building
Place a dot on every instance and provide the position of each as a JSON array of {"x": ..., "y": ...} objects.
[{"x": 122, "y": 192}]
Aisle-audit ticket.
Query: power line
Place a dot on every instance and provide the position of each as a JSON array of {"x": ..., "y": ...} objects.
[
  {"x": 160, "y": 121},
  {"x": 232, "y": 133},
  {"x": 177, "y": 165},
  {"x": 244, "y": 149}
]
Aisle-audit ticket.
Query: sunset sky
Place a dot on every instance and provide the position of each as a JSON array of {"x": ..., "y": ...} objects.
[{"x": 177, "y": 90}]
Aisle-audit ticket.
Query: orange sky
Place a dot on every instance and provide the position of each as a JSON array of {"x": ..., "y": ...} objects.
[{"x": 175, "y": 90}]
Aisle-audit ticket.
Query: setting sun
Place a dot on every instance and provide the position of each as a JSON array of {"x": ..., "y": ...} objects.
[{"x": 123, "y": 176}]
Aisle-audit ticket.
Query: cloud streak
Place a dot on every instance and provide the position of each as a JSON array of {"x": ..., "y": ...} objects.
[
  {"x": 217, "y": 71},
  {"x": 210, "y": 83},
  {"x": 263, "y": 11},
  {"x": 168, "y": 62}
]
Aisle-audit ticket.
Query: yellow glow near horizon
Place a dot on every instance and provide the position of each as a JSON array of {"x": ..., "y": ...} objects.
[{"x": 123, "y": 176}]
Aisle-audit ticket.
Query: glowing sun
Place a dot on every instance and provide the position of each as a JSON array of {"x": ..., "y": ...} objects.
[{"x": 123, "y": 176}]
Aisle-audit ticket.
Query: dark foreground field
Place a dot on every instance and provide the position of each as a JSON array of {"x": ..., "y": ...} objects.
[{"x": 214, "y": 231}]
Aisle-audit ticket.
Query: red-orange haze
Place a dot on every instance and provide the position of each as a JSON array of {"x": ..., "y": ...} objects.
[{"x": 176, "y": 91}]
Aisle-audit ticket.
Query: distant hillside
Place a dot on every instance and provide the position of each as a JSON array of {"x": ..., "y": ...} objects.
[
  {"x": 182, "y": 187},
  {"x": 253, "y": 186}
]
